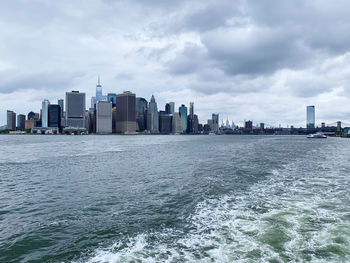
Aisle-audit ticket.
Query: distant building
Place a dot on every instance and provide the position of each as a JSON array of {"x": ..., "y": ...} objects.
[
  {"x": 60, "y": 102},
  {"x": 45, "y": 113},
  {"x": 248, "y": 125},
  {"x": 126, "y": 112},
  {"x": 172, "y": 107},
  {"x": 176, "y": 123},
  {"x": 114, "y": 119},
  {"x": 183, "y": 116},
  {"x": 21, "y": 122},
  {"x": 323, "y": 125},
  {"x": 210, "y": 125},
  {"x": 141, "y": 111},
  {"x": 215, "y": 119},
  {"x": 112, "y": 97},
  {"x": 98, "y": 90},
  {"x": 310, "y": 117},
  {"x": 262, "y": 126},
  {"x": 54, "y": 116},
  {"x": 75, "y": 109},
  {"x": 165, "y": 123},
  {"x": 11, "y": 120},
  {"x": 93, "y": 102},
  {"x": 190, "y": 120},
  {"x": 195, "y": 124},
  {"x": 104, "y": 117},
  {"x": 29, "y": 124},
  {"x": 152, "y": 116}
]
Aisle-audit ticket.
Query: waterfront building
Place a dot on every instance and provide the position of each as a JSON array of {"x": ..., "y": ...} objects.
[
  {"x": 167, "y": 108},
  {"x": 60, "y": 102},
  {"x": 262, "y": 126},
  {"x": 91, "y": 121},
  {"x": 310, "y": 117},
  {"x": 75, "y": 109},
  {"x": 21, "y": 122},
  {"x": 165, "y": 123},
  {"x": 104, "y": 117},
  {"x": 54, "y": 116},
  {"x": 112, "y": 97},
  {"x": 98, "y": 90},
  {"x": 126, "y": 112},
  {"x": 45, "y": 113},
  {"x": 323, "y": 125},
  {"x": 152, "y": 116},
  {"x": 183, "y": 116},
  {"x": 29, "y": 124},
  {"x": 176, "y": 123},
  {"x": 141, "y": 111},
  {"x": 190, "y": 120},
  {"x": 11, "y": 120},
  {"x": 215, "y": 122}
]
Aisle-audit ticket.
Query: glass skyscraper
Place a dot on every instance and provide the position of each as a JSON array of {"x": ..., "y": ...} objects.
[
  {"x": 310, "y": 117},
  {"x": 45, "y": 113},
  {"x": 183, "y": 117}
]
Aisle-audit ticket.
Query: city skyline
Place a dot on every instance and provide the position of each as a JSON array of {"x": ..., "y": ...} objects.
[{"x": 266, "y": 63}]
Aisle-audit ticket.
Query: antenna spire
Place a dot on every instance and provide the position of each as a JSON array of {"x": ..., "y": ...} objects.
[{"x": 98, "y": 80}]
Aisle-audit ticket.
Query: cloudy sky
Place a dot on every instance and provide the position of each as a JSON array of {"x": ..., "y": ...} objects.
[{"x": 258, "y": 60}]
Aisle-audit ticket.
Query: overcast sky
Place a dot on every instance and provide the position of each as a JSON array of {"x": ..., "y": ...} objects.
[{"x": 258, "y": 60}]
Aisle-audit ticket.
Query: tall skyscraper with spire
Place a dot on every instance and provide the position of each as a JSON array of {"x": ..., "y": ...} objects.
[
  {"x": 98, "y": 90},
  {"x": 152, "y": 116}
]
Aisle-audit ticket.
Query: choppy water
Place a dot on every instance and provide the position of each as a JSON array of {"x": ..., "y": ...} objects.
[{"x": 174, "y": 199}]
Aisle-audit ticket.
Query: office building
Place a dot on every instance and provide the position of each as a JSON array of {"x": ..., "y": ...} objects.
[
  {"x": 54, "y": 116},
  {"x": 93, "y": 102},
  {"x": 183, "y": 117},
  {"x": 112, "y": 97},
  {"x": 168, "y": 109},
  {"x": 126, "y": 112},
  {"x": 60, "y": 102},
  {"x": 152, "y": 116},
  {"x": 176, "y": 123},
  {"x": 104, "y": 117},
  {"x": 195, "y": 123},
  {"x": 21, "y": 122},
  {"x": 165, "y": 123},
  {"x": 45, "y": 113},
  {"x": 75, "y": 109},
  {"x": 114, "y": 119},
  {"x": 215, "y": 122},
  {"x": 310, "y": 117},
  {"x": 190, "y": 120},
  {"x": 11, "y": 120},
  {"x": 141, "y": 113}
]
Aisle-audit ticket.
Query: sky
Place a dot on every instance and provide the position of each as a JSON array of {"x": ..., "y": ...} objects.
[{"x": 263, "y": 61}]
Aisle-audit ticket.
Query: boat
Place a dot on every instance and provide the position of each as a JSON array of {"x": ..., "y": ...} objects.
[{"x": 317, "y": 136}]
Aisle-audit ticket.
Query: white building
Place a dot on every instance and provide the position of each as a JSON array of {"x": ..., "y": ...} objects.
[{"x": 104, "y": 117}]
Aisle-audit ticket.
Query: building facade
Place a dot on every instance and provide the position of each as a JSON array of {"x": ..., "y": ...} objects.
[
  {"x": 183, "y": 116},
  {"x": 112, "y": 97},
  {"x": 310, "y": 117},
  {"x": 215, "y": 122},
  {"x": 176, "y": 123},
  {"x": 45, "y": 113},
  {"x": 126, "y": 112},
  {"x": 21, "y": 122},
  {"x": 11, "y": 120},
  {"x": 141, "y": 113},
  {"x": 152, "y": 116},
  {"x": 54, "y": 116},
  {"x": 75, "y": 109},
  {"x": 104, "y": 117}
]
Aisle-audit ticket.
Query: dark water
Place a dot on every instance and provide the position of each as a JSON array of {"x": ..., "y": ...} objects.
[{"x": 174, "y": 199}]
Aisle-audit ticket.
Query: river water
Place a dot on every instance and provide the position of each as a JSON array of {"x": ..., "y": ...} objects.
[{"x": 174, "y": 199}]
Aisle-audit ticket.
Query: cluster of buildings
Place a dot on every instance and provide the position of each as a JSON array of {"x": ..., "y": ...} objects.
[{"x": 122, "y": 113}]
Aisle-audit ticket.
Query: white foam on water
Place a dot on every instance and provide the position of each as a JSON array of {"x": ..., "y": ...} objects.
[{"x": 281, "y": 219}]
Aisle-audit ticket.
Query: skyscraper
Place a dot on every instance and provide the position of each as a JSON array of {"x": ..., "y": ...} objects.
[
  {"x": 190, "y": 121},
  {"x": 75, "y": 109},
  {"x": 141, "y": 111},
  {"x": 11, "y": 120},
  {"x": 60, "y": 102},
  {"x": 310, "y": 117},
  {"x": 126, "y": 112},
  {"x": 93, "y": 102},
  {"x": 21, "y": 120},
  {"x": 54, "y": 116},
  {"x": 165, "y": 121},
  {"x": 172, "y": 107},
  {"x": 104, "y": 117},
  {"x": 45, "y": 113},
  {"x": 112, "y": 97},
  {"x": 183, "y": 116},
  {"x": 152, "y": 116},
  {"x": 215, "y": 124},
  {"x": 176, "y": 123},
  {"x": 98, "y": 90}
]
